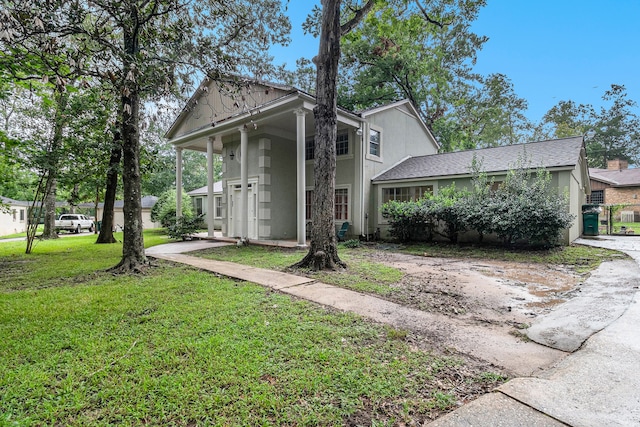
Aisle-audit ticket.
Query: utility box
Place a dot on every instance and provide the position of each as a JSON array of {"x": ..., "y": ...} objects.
[{"x": 590, "y": 214}]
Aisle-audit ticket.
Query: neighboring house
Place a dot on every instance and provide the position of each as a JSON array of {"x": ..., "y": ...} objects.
[
  {"x": 617, "y": 185},
  {"x": 118, "y": 214},
  {"x": 563, "y": 158},
  {"x": 265, "y": 134},
  {"x": 200, "y": 206},
  {"x": 15, "y": 218}
]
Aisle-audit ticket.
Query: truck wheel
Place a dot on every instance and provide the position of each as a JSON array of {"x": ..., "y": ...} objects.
[
  {"x": 91, "y": 229},
  {"x": 79, "y": 229}
]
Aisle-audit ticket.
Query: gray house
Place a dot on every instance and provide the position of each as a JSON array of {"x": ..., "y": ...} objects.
[
  {"x": 563, "y": 158},
  {"x": 265, "y": 134},
  {"x": 200, "y": 205}
]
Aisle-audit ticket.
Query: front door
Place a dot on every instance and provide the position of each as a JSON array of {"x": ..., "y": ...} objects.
[{"x": 235, "y": 221}]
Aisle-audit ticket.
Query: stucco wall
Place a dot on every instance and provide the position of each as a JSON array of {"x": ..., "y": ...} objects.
[
  {"x": 402, "y": 135},
  {"x": 10, "y": 222},
  {"x": 118, "y": 218}
]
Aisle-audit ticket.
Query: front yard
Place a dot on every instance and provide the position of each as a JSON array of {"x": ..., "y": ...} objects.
[{"x": 177, "y": 346}]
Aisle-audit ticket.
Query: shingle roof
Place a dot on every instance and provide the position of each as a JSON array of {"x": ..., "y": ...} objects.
[
  {"x": 548, "y": 154},
  {"x": 617, "y": 178},
  {"x": 203, "y": 191},
  {"x": 147, "y": 202}
]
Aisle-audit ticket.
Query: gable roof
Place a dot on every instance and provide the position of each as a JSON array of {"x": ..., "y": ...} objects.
[
  {"x": 557, "y": 153},
  {"x": 147, "y": 202},
  {"x": 616, "y": 178},
  {"x": 203, "y": 191},
  {"x": 406, "y": 103}
]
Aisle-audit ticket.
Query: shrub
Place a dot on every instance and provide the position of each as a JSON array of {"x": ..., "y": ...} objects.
[
  {"x": 184, "y": 226},
  {"x": 353, "y": 243},
  {"x": 446, "y": 209},
  {"x": 524, "y": 207},
  {"x": 409, "y": 220},
  {"x": 164, "y": 211}
]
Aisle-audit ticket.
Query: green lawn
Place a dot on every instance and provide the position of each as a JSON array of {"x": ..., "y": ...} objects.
[
  {"x": 363, "y": 275},
  {"x": 177, "y": 346}
]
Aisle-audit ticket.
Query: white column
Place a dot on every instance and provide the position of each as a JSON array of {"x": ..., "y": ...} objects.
[
  {"x": 178, "y": 182},
  {"x": 300, "y": 167},
  {"x": 244, "y": 180},
  {"x": 210, "y": 207}
]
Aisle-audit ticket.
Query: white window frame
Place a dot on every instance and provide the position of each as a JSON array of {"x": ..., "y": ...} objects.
[
  {"x": 217, "y": 207},
  {"x": 349, "y": 203},
  {"x": 381, "y": 188},
  {"x": 368, "y": 155}
]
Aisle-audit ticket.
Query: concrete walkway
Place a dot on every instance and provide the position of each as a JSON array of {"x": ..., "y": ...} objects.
[{"x": 598, "y": 385}]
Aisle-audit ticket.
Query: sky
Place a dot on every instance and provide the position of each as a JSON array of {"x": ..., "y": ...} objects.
[{"x": 551, "y": 50}]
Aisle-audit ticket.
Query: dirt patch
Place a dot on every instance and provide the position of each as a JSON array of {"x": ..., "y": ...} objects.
[
  {"x": 480, "y": 291},
  {"x": 482, "y": 308}
]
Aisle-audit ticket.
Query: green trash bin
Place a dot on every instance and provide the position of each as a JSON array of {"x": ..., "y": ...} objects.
[
  {"x": 590, "y": 214},
  {"x": 98, "y": 225}
]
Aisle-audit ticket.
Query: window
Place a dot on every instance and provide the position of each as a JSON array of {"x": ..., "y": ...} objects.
[
  {"x": 21, "y": 215},
  {"x": 374, "y": 142},
  {"x": 198, "y": 202},
  {"x": 218, "y": 208},
  {"x": 422, "y": 191},
  {"x": 400, "y": 194},
  {"x": 405, "y": 194},
  {"x": 341, "y": 204},
  {"x": 308, "y": 204},
  {"x": 596, "y": 197},
  {"x": 342, "y": 146},
  {"x": 309, "y": 148}
]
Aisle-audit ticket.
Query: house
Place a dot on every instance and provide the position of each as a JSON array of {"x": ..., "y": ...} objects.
[
  {"x": 118, "y": 214},
  {"x": 264, "y": 133},
  {"x": 565, "y": 159},
  {"x": 13, "y": 219},
  {"x": 617, "y": 185},
  {"x": 200, "y": 205}
]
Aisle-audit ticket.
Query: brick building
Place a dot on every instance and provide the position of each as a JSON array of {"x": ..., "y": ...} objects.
[{"x": 616, "y": 185}]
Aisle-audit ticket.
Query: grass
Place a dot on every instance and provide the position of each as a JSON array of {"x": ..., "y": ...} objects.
[
  {"x": 177, "y": 346},
  {"x": 368, "y": 276},
  {"x": 23, "y": 234},
  {"x": 582, "y": 258},
  {"x": 363, "y": 275}
]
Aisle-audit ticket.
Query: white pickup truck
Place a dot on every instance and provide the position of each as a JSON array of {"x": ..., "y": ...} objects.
[{"x": 74, "y": 223}]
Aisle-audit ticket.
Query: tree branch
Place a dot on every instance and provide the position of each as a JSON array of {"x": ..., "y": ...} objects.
[{"x": 357, "y": 17}]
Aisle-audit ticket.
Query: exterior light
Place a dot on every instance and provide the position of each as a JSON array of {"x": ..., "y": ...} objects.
[{"x": 231, "y": 155}]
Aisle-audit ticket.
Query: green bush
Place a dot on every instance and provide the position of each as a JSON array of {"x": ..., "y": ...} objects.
[
  {"x": 525, "y": 207},
  {"x": 184, "y": 226},
  {"x": 409, "y": 220},
  {"x": 353, "y": 243},
  {"x": 164, "y": 211}
]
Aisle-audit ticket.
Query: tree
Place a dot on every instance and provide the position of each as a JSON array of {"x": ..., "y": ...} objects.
[
  {"x": 494, "y": 116},
  {"x": 323, "y": 252},
  {"x": 615, "y": 125},
  {"x": 145, "y": 49},
  {"x": 422, "y": 51}
]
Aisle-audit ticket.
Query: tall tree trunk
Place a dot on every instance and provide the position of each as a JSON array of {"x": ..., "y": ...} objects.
[
  {"x": 133, "y": 256},
  {"x": 323, "y": 252},
  {"x": 52, "y": 165},
  {"x": 106, "y": 227},
  {"x": 49, "y": 231}
]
